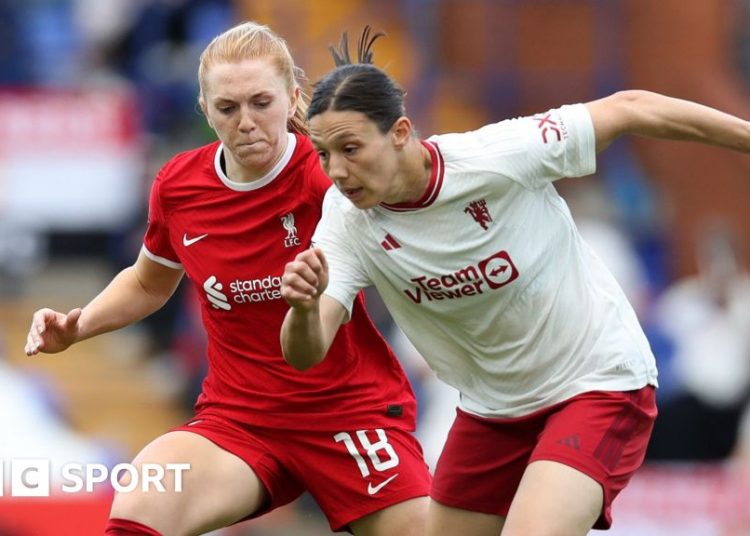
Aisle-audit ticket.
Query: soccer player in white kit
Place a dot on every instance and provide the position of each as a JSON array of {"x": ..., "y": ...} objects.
[{"x": 479, "y": 261}]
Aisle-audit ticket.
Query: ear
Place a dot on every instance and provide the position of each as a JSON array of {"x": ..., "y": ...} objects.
[
  {"x": 202, "y": 106},
  {"x": 293, "y": 103},
  {"x": 401, "y": 131}
]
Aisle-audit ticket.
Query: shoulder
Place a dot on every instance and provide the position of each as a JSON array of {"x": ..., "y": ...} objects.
[
  {"x": 335, "y": 201},
  {"x": 477, "y": 143},
  {"x": 337, "y": 208},
  {"x": 304, "y": 156},
  {"x": 554, "y": 124},
  {"x": 305, "y": 162},
  {"x": 191, "y": 162}
]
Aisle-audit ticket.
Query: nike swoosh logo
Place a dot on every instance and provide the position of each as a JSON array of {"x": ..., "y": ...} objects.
[
  {"x": 190, "y": 241},
  {"x": 372, "y": 490}
]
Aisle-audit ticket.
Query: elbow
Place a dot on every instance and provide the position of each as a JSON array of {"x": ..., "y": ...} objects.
[
  {"x": 301, "y": 361},
  {"x": 639, "y": 112},
  {"x": 298, "y": 364},
  {"x": 628, "y": 107},
  {"x": 634, "y": 99},
  {"x": 630, "y": 96}
]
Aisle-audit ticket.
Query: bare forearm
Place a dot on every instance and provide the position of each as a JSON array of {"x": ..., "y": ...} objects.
[
  {"x": 123, "y": 302},
  {"x": 302, "y": 341},
  {"x": 644, "y": 113}
]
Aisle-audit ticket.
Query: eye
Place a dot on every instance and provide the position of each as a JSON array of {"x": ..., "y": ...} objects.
[
  {"x": 227, "y": 109},
  {"x": 263, "y": 104},
  {"x": 349, "y": 149},
  {"x": 323, "y": 155}
]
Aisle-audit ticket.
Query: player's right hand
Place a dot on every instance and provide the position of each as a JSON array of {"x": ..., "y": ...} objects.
[
  {"x": 52, "y": 332},
  {"x": 305, "y": 279}
]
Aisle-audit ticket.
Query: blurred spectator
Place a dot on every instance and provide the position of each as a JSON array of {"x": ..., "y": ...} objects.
[
  {"x": 14, "y": 66},
  {"x": 707, "y": 316},
  {"x": 22, "y": 253},
  {"x": 159, "y": 52},
  {"x": 32, "y": 412},
  {"x": 605, "y": 220},
  {"x": 743, "y": 441},
  {"x": 597, "y": 219}
]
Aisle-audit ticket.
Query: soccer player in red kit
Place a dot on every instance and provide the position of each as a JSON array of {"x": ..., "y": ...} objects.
[{"x": 230, "y": 215}]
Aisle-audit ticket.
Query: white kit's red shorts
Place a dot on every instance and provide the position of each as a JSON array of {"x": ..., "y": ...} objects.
[
  {"x": 603, "y": 434},
  {"x": 350, "y": 473}
]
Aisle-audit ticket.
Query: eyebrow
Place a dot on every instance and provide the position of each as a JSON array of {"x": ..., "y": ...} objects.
[{"x": 263, "y": 93}]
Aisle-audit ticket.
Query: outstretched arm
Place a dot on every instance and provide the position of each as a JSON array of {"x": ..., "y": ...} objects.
[
  {"x": 313, "y": 319},
  {"x": 133, "y": 294},
  {"x": 653, "y": 115}
]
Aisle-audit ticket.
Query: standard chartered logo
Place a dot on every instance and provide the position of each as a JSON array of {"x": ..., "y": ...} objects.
[
  {"x": 242, "y": 291},
  {"x": 215, "y": 295}
]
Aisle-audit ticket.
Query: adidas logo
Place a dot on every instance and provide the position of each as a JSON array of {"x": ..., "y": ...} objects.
[{"x": 390, "y": 243}]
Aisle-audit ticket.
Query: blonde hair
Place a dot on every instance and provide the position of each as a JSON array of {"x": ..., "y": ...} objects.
[{"x": 251, "y": 40}]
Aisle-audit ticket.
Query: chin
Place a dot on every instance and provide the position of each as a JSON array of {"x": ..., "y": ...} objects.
[
  {"x": 255, "y": 160},
  {"x": 364, "y": 204}
]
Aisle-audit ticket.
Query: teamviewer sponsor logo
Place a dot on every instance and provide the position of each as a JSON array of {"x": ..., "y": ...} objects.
[
  {"x": 215, "y": 295},
  {"x": 498, "y": 270},
  {"x": 491, "y": 273}
]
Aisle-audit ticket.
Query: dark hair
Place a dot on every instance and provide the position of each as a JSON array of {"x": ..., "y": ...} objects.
[{"x": 359, "y": 87}]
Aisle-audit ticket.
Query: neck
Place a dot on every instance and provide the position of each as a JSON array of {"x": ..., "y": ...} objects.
[{"x": 414, "y": 173}]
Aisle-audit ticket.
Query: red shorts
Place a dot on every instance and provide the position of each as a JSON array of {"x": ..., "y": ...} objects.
[
  {"x": 350, "y": 473},
  {"x": 603, "y": 434}
]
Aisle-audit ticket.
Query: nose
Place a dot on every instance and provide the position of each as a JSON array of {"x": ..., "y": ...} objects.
[
  {"x": 336, "y": 169},
  {"x": 246, "y": 123}
]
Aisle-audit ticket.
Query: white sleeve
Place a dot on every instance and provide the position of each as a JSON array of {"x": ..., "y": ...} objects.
[
  {"x": 347, "y": 276},
  {"x": 531, "y": 151}
]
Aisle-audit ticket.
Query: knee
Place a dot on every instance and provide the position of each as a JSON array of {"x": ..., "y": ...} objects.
[
  {"x": 151, "y": 509},
  {"x": 134, "y": 505},
  {"x": 408, "y": 518}
]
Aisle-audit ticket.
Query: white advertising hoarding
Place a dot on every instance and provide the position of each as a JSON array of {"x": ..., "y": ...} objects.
[{"x": 70, "y": 160}]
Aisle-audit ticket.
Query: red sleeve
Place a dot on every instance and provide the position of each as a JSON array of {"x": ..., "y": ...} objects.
[{"x": 157, "y": 243}]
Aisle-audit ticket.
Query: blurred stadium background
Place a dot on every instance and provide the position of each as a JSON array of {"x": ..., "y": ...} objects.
[{"x": 95, "y": 95}]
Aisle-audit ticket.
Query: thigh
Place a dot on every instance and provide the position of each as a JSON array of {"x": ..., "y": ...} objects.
[
  {"x": 406, "y": 518},
  {"x": 554, "y": 499},
  {"x": 602, "y": 438},
  {"x": 363, "y": 479},
  {"x": 444, "y": 519},
  {"x": 218, "y": 489}
]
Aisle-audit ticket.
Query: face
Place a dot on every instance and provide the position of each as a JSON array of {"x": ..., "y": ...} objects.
[
  {"x": 248, "y": 104},
  {"x": 360, "y": 160}
]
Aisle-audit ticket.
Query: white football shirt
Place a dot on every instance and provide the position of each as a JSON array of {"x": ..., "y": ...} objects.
[{"x": 487, "y": 274}]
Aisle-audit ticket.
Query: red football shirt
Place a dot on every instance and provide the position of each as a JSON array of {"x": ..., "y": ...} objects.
[{"x": 233, "y": 241}]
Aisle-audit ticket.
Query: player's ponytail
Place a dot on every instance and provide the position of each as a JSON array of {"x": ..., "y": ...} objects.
[{"x": 359, "y": 87}]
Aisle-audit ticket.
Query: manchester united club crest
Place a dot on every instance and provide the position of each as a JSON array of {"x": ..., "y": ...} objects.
[{"x": 478, "y": 211}]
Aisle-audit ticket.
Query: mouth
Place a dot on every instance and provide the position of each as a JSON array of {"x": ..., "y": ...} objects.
[
  {"x": 248, "y": 144},
  {"x": 352, "y": 193}
]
